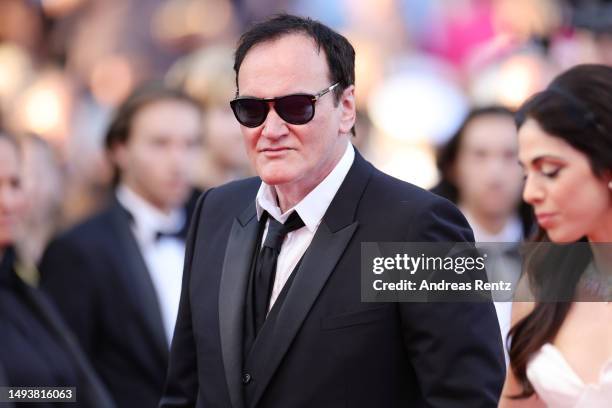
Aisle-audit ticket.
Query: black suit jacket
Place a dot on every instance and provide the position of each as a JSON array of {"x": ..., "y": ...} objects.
[
  {"x": 4, "y": 382},
  {"x": 327, "y": 348},
  {"x": 98, "y": 278},
  {"x": 90, "y": 391}
]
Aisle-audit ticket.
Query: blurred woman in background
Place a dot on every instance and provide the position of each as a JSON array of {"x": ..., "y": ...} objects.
[
  {"x": 561, "y": 351},
  {"x": 36, "y": 349}
]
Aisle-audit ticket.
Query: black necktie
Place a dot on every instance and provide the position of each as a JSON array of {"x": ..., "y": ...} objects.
[{"x": 266, "y": 263}]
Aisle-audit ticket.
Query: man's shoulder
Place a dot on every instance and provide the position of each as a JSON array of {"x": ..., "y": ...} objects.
[
  {"x": 89, "y": 231},
  {"x": 235, "y": 194},
  {"x": 418, "y": 213},
  {"x": 392, "y": 191}
]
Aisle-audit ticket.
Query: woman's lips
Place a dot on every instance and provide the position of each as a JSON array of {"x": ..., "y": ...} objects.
[{"x": 545, "y": 220}]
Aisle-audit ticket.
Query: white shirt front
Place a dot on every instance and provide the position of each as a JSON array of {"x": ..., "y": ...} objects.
[
  {"x": 511, "y": 232},
  {"x": 163, "y": 257},
  {"x": 311, "y": 210}
]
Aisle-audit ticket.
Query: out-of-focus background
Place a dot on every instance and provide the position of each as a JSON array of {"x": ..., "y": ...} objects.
[{"x": 421, "y": 65}]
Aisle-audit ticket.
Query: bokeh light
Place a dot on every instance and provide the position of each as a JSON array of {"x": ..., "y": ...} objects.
[
  {"x": 178, "y": 20},
  {"x": 510, "y": 81},
  {"x": 44, "y": 107},
  {"x": 15, "y": 70},
  {"x": 414, "y": 164},
  {"x": 418, "y": 103}
]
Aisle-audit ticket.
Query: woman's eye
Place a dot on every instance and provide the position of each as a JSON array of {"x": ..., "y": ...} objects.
[{"x": 550, "y": 172}]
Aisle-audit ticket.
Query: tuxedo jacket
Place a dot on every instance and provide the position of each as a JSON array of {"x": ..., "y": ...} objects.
[
  {"x": 327, "y": 348},
  {"x": 97, "y": 276}
]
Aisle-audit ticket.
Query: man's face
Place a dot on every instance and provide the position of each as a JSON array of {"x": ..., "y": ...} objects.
[
  {"x": 487, "y": 173},
  {"x": 11, "y": 193},
  {"x": 157, "y": 160},
  {"x": 294, "y": 156}
]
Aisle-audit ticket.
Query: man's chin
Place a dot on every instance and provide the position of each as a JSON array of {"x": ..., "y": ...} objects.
[
  {"x": 274, "y": 177},
  {"x": 173, "y": 201},
  {"x": 275, "y": 180}
]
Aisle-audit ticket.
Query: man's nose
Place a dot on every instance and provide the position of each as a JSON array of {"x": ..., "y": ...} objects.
[
  {"x": 182, "y": 154},
  {"x": 8, "y": 199},
  {"x": 274, "y": 127}
]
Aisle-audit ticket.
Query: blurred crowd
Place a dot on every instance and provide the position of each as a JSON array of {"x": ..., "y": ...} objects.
[
  {"x": 435, "y": 80},
  {"x": 65, "y": 65}
]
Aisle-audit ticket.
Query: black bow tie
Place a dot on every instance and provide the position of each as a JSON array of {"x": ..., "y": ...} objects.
[
  {"x": 164, "y": 234},
  {"x": 180, "y": 234}
]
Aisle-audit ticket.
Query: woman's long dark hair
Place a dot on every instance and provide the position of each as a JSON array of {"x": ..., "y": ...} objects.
[{"x": 575, "y": 107}]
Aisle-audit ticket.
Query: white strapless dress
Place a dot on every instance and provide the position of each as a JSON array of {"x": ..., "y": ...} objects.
[{"x": 558, "y": 385}]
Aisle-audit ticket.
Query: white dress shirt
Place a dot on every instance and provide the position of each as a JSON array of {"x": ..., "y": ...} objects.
[
  {"x": 311, "y": 210},
  {"x": 163, "y": 257},
  {"x": 511, "y": 232}
]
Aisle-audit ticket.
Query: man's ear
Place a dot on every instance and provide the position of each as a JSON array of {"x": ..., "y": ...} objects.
[
  {"x": 348, "y": 110},
  {"x": 451, "y": 173},
  {"x": 118, "y": 155},
  {"x": 608, "y": 178}
]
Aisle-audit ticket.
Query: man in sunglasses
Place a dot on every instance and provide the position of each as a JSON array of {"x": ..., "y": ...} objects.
[{"x": 271, "y": 312}]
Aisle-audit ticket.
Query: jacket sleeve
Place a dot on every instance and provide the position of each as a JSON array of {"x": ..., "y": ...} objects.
[
  {"x": 181, "y": 386},
  {"x": 454, "y": 347}
]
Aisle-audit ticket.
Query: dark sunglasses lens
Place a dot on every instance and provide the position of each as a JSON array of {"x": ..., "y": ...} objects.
[
  {"x": 295, "y": 109},
  {"x": 250, "y": 112}
]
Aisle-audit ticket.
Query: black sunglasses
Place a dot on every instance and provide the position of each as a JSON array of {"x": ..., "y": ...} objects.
[{"x": 296, "y": 109}]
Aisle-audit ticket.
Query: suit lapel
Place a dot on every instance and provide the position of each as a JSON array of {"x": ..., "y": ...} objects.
[
  {"x": 136, "y": 278},
  {"x": 329, "y": 243},
  {"x": 232, "y": 292}
]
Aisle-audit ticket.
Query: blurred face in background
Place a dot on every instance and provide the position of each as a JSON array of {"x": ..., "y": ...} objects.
[
  {"x": 158, "y": 158},
  {"x": 486, "y": 171},
  {"x": 569, "y": 201},
  {"x": 42, "y": 181},
  {"x": 223, "y": 138},
  {"x": 11, "y": 194}
]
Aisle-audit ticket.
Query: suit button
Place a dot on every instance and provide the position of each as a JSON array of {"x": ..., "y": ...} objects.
[{"x": 246, "y": 378}]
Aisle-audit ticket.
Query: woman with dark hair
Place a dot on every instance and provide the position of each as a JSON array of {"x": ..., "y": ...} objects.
[
  {"x": 36, "y": 349},
  {"x": 561, "y": 351}
]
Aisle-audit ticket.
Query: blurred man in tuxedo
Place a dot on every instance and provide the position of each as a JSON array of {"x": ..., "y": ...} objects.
[
  {"x": 271, "y": 312},
  {"x": 117, "y": 276}
]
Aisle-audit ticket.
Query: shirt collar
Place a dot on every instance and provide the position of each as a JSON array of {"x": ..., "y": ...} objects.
[
  {"x": 511, "y": 232},
  {"x": 312, "y": 208},
  {"x": 148, "y": 220}
]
